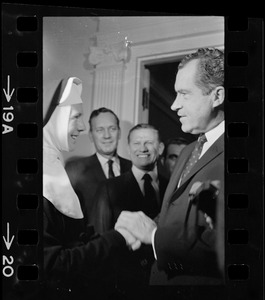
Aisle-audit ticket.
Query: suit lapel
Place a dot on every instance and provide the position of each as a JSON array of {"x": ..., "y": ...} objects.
[
  {"x": 134, "y": 193},
  {"x": 124, "y": 165},
  {"x": 212, "y": 152},
  {"x": 163, "y": 182},
  {"x": 99, "y": 173},
  {"x": 172, "y": 191},
  {"x": 172, "y": 185}
]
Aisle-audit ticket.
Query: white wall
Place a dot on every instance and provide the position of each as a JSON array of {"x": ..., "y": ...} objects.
[{"x": 65, "y": 44}]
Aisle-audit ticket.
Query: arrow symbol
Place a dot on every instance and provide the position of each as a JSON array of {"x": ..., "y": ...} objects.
[
  {"x": 7, "y": 241},
  {"x": 7, "y": 93}
]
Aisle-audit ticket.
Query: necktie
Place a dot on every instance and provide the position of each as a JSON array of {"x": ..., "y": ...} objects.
[
  {"x": 194, "y": 156},
  {"x": 151, "y": 207},
  {"x": 111, "y": 173}
]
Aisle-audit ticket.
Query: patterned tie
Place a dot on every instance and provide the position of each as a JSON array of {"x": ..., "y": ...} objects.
[
  {"x": 194, "y": 156},
  {"x": 111, "y": 173},
  {"x": 151, "y": 207}
]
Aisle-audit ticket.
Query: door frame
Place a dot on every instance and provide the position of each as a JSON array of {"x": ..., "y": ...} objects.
[{"x": 140, "y": 115}]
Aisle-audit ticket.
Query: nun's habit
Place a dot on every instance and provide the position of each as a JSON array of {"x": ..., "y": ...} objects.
[{"x": 77, "y": 263}]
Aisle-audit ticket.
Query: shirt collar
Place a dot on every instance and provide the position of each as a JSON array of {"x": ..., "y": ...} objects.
[
  {"x": 138, "y": 174},
  {"x": 103, "y": 160},
  {"x": 215, "y": 133}
]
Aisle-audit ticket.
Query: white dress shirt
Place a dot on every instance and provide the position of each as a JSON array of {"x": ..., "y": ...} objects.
[
  {"x": 212, "y": 136},
  {"x": 104, "y": 164}
]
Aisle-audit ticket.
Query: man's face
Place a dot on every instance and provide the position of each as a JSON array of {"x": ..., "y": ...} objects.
[
  {"x": 172, "y": 155},
  {"x": 76, "y": 125},
  {"x": 145, "y": 148},
  {"x": 105, "y": 134},
  {"x": 196, "y": 110}
]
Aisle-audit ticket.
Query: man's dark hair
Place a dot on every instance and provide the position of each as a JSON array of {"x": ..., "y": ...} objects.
[
  {"x": 210, "y": 68},
  {"x": 100, "y": 110},
  {"x": 143, "y": 126},
  {"x": 174, "y": 141}
]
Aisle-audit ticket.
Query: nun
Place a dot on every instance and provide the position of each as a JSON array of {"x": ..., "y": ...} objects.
[{"x": 77, "y": 262}]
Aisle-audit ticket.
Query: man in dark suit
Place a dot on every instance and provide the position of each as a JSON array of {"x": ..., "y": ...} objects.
[
  {"x": 173, "y": 148},
  {"x": 185, "y": 238},
  {"x": 127, "y": 192},
  {"x": 86, "y": 173}
]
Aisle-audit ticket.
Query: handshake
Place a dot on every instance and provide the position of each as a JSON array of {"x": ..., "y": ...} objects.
[{"x": 136, "y": 228}]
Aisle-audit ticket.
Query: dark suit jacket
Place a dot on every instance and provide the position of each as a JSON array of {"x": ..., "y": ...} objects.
[
  {"x": 75, "y": 259},
  {"x": 117, "y": 194},
  {"x": 113, "y": 196},
  {"x": 185, "y": 246},
  {"x": 85, "y": 174}
]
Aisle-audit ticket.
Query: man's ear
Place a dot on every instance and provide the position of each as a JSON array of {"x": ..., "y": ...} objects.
[
  {"x": 161, "y": 148},
  {"x": 90, "y": 137},
  {"x": 128, "y": 150},
  {"x": 219, "y": 96},
  {"x": 162, "y": 159}
]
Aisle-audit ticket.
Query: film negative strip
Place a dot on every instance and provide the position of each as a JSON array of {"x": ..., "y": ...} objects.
[{"x": 22, "y": 136}]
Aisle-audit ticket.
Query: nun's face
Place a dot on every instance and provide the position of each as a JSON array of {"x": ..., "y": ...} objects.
[{"x": 76, "y": 125}]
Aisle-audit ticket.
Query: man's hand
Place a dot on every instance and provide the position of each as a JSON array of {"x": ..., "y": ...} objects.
[
  {"x": 131, "y": 241},
  {"x": 138, "y": 224}
]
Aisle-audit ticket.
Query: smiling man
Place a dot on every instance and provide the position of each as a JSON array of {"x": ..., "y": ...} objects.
[
  {"x": 127, "y": 191},
  {"x": 130, "y": 191},
  {"x": 188, "y": 242},
  {"x": 145, "y": 147},
  {"x": 87, "y": 172}
]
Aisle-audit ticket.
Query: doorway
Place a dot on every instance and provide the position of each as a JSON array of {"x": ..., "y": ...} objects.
[{"x": 162, "y": 94}]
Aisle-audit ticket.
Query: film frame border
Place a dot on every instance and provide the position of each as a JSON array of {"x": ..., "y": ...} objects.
[{"x": 22, "y": 170}]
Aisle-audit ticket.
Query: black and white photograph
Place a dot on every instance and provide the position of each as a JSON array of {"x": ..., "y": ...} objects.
[{"x": 131, "y": 190}]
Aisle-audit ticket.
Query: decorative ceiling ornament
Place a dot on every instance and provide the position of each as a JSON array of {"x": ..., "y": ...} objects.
[{"x": 109, "y": 54}]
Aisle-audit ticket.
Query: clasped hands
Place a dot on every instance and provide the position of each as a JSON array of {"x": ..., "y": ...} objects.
[{"x": 136, "y": 228}]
